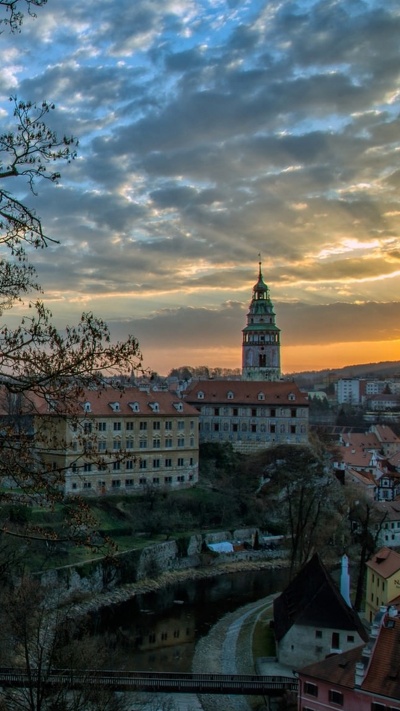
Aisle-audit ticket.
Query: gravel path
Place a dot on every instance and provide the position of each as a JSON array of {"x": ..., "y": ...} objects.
[{"x": 227, "y": 649}]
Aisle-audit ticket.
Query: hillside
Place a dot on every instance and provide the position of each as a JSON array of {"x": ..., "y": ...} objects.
[{"x": 384, "y": 369}]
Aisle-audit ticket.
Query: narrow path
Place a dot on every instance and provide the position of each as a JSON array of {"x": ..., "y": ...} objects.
[{"x": 228, "y": 649}]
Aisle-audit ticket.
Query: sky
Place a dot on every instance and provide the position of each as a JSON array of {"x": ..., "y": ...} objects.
[{"x": 212, "y": 131}]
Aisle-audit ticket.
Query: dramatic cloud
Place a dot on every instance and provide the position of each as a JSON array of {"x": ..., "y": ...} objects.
[{"x": 211, "y": 131}]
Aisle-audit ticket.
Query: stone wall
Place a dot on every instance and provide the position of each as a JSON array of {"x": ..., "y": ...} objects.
[{"x": 101, "y": 575}]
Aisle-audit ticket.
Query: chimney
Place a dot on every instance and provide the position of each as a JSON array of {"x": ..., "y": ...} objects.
[{"x": 345, "y": 580}]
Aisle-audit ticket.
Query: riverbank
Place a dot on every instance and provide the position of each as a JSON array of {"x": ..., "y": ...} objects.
[
  {"x": 228, "y": 649},
  {"x": 94, "y": 602}
]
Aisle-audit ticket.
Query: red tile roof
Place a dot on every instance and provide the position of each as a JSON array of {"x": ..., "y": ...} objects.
[
  {"x": 382, "y": 674},
  {"x": 246, "y": 392},
  {"x": 386, "y": 562}
]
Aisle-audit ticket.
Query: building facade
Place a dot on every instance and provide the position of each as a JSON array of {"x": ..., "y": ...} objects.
[
  {"x": 120, "y": 442},
  {"x": 261, "y": 337},
  {"x": 250, "y": 415},
  {"x": 383, "y": 580}
]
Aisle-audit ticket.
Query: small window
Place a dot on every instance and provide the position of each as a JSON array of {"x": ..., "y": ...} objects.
[
  {"x": 318, "y": 634},
  {"x": 336, "y": 697},
  {"x": 350, "y": 637},
  {"x": 117, "y": 426},
  {"x": 310, "y": 689},
  {"x": 200, "y": 395},
  {"x": 129, "y": 426}
]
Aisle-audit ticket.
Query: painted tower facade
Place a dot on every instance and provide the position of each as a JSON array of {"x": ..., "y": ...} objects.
[{"x": 261, "y": 337}]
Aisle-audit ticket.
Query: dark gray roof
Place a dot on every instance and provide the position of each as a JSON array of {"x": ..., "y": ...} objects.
[{"x": 313, "y": 599}]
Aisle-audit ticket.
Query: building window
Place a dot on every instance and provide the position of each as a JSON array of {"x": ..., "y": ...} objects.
[
  {"x": 336, "y": 697},
  {"x": 129, "y": 482},
  {"x": 335, "y": 640},
  {"x": 102, "y": 426},
  {"x": 129, "y": 464},
  {"x": 142, "y": 480},
  {"x": 181, "y": 442},
  {"x": 129, "y": 443},
  {"x": 116, "y": 483},
  {"x": 234, "y": 428},
  {"x": 272, "y": 429},
  {"x": 87, "y": 484},
  {"x": 180, "y": 479},
  {"x": 235, "y": 412},
  {"x": 254, "y": 428},
  {"x": 87, "y": 467},
  {"x": 168, "y": 479},
  {"x": 156, "y": 444},
  {"x": 350, "y": 637},
  {"x": 310, "y": 689},
  {"x": 143, "y": 464},
  {"x": 101, "y": 446},
  {"x": 129, "y": 426},
  {"x": 116, "y": 466},
  {"x": 143, "y": 425},
  {"x": 318, "y": 634},
  {"x": 216, "y": 411},
  {"x": 216, "y": 426},
  {"x": 156, "y": 425},
  {"x": 156, "y": 463},
  {"x": 168, "y": 425},
  {"x": 143, "y": 444},
  {"x": 116, "y": 445},
  {"x": 117, "y": 427},
  {"x": 180, "y": 462},
  {"x": 273, "y": 412},
  {"x": 293, "y": 429},
  {"x": 87, "y": 427},
  {"x": 168, "y": 443},
  {"x": 181, "y": 424},
  {"x": 168, "y": 462},
  {"x": 156, "y": 480}
]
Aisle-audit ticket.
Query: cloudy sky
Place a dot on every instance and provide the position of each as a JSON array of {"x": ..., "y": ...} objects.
[{"x": 211, "y": 131}]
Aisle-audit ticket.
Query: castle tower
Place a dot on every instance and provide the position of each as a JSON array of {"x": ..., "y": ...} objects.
[{"x": 261, "y": 337}]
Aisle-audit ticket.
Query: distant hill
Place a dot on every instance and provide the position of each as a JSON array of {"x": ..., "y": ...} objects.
[{"x": 385, "y": 369}]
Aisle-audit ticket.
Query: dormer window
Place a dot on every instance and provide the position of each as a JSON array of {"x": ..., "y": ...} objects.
[
  {"x": 114, "y": 406},
  {"x": 134, "y": 406},
  {"x": 200, "y": 395},
  {"x": 260, "y": 396},
  {"x": 154, "y": 406},
  {"x": 230, "y": 395},
  {"x": 87, "y": 407},
  {"x": 178, "y": 406},
  {"x": 291, "y": 396}
]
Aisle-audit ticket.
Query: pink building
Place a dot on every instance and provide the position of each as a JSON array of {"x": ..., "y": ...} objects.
[{"x": 363, "y": 679}]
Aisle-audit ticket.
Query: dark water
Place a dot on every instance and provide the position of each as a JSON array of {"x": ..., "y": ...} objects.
[{"x": 158, "y": 631}]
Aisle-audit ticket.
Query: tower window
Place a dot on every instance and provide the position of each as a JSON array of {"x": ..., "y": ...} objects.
[{"x": 262, "y": 360}]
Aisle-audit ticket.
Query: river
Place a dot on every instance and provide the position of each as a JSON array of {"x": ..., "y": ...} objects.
[{"x": 158, "y": 631}]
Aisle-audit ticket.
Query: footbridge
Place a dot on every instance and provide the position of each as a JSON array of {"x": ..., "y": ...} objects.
[{"x": 168, "y": 682}]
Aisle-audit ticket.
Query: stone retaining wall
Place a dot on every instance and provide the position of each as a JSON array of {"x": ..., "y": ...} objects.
[{"x": 101, "y": 576}]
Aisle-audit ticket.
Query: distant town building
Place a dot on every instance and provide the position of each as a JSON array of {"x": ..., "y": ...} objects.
[
  {"x": 261, "y": 337},
  {"x": 250, "y": 415}
]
